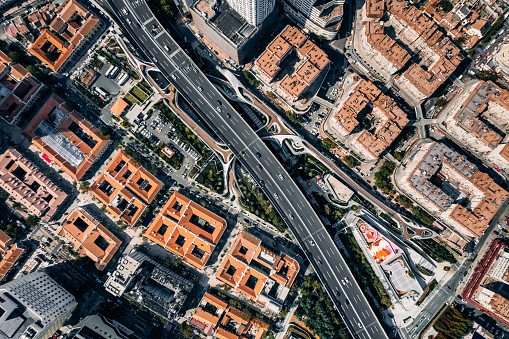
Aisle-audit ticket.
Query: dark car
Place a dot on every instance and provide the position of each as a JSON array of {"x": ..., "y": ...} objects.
[
  {"x": 258, "y": 154},
  {"x": 495, "y": 232}
]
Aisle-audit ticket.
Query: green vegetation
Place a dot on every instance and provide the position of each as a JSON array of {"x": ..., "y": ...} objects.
[
  {"x": 138, "y": 94},
  {"x": 398, "y": 155},
  {"x": 422, "y": 271},
  {"x": 185, "y": 134},
  {"x": 130, "y": 99},
  {"x": 435, "y": 250},
  {"x": 122, "y": 65},
  {"x": 441, "y": 103},
  {"x": 125, "y": 124},
  {"x": 446, "y": 5},
  {"x": 383, "y": 177},
  {"x": 363, "y": 272},
  {"x": 52, "y": 55},
  {"x": 494, "y": 29},
  {"x": 146, "y": 86},
  {"x": 187, "y": 330},
  {"x": 20, "y": 56},
  {"x": 349, "y": 161},
  {"x": 211, "y": 178},
  {"x": 391, "y": 223},
  {"x": 487, "y": 75},
  {"x": 255, "y": 201},
  {"x": 427, "y": 291},
  {"x": 308, "y": 167},
  {"x": 165, "y": 10},
  {"x": 95, "y": 99},
  {"x": 12, "y": 230},
  {"x": 96, "y": 63},
  {"x": 332, "y": 212},
  {"x": 292, "y": 116},
  {"x": 422, "y": 215},
  {"x": 452, "y": 324},
  {"x": 250, "y": 77},
  {"x": 317, "y": 312},
  {"x": 193, "y": 171},
  {"x": 328, "y": 144},
  {"x": 404, "y": 201}
]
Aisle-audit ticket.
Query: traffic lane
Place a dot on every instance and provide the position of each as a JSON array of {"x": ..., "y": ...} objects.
[{"x": 244, "y": 122}]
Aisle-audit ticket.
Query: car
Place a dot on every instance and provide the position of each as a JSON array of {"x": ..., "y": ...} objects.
[
  {"x": 218, "y": 109},
  {"x": 262, "y": 183},
  {"x": 258, "y": 154},
  {"x": 219, "y": 102},
  {"x": 337, "y": 292},
  {"x": 359, "y": 324},
  {"x": 346, "y": 280},
  {"x": 280, "y": 176},
  {"x": 167, "y": 48},
  {"x": 200, "y": 88},
  {"x": 228, "y": 115},
  {"x": 319, "y": 262},
  {"x": 185, "y": 39},
  {"x": 243, "y": 153},
  {"x": 290, "y": 216},
  {"x": 312, "y": 242},
  {"x": 276, "y": 195},
  {"x": 495, "y": 232},
  {"x": 155, "y": 59},
  {"x": 260, "y": 167}
]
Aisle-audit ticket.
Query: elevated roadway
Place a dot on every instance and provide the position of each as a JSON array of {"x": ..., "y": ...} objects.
[{"x": 146, "y": 32}]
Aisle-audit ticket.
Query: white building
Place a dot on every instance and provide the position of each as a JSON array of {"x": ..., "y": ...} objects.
[
  {"x": 95, "y": 326},
  {"x": 33, "y": 306},
  {"x": 320, "y": 17},
  {"x": 253, "y": 11}
]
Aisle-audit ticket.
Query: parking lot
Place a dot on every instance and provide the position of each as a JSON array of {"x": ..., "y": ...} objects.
[{"x": 314, "y": 117}]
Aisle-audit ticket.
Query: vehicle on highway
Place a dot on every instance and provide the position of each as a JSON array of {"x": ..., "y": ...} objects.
[
  {"x": 219, "y": 109},
  {"x": 262, "y": 183},
  {"x": 291, "y": 216},
  {"x": 167, "y": 48},
  {"x": 260, "y": 167},
  {"x": 258, "y": 154},
  {"x": 319, "y": 262},
  {"x": 228, "y": 115},
  {"x": 280, "y": 176},
  {"x": 243, "y": 153},
  {"x": 200, "y": 88},
  {"x": 276, "y": 195},
  {"x": 219, "y": 102},
  {"x": 312, "y": 242}
]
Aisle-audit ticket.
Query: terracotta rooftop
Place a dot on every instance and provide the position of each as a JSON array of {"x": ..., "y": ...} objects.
[
  {"x": 26, "y": 184},
  {"x": 186, "y": 229},
  {"x": 375, "y": 8},
  {"x": 89, "y": 237},
  {"x": 119, "y": 106},
  {"x": 65, "y": 137},
  {"x": 384, "y": 44},
  {"x": 250, "y": 265}
]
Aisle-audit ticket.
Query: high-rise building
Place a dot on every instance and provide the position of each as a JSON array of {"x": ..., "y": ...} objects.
[
  {"x": 33, "y": 306},
  {"x": 253, "y": 11},
  {"x": 322, "y": 17}
]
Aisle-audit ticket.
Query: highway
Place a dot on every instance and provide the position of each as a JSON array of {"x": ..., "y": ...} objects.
[{"x": 147, "y": 33}]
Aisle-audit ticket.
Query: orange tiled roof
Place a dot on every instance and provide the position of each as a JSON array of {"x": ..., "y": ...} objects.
[
  {"x": 119, "y": 106},
  {"x": 186, "y": 229},
  {"x": 89, "y": 237}
]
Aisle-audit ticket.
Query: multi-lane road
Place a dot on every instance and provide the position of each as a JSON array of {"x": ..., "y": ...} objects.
[{"x": 152, "y": 40}]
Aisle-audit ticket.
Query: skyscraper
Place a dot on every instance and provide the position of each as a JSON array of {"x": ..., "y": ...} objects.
[
  {"x": 33, "y": 306},
  {"x": 253, "y": 11}
]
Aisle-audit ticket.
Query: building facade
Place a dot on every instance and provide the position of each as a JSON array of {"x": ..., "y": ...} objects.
[
  {"x": 253, "y": 11},
  {"x": 34, "y": 306}
]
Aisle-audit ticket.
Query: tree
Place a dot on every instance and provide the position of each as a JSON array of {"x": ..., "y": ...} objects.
[
  {"x": 328, "y": 144},
  {"x": 320, "y": 39},
  {"x": 32, "y": 221},
  {"x": 186, "y": 329},
  {"x": 398, "y": 156},
  {"x": 487, "y": 75},
  {"x": 404, "y": 201},
  {"x": 125, "y": 124},
  {"x": 441, "y": 103},
  {"x": 84, "y": 186},
  {"x": 446, "y": 5},
  {"x": 349, "y": 161}
]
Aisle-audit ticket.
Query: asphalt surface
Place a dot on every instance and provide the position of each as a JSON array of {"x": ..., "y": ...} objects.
[{"x": 147, "y": 33}]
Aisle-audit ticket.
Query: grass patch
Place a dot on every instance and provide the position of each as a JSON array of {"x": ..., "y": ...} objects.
[
  {"x": 435, "y": 250},
  {"x": 211, "y": 178},
  {"x": 193, "y": 171},
  {"x": 422, "y": 271},
  {"x": 427, "y": 291},
  {"x": 138, "y": 94},
  {"x": 363, "y": 272},
  {"x": 130, "y": 99},
  {"x": 255, "y": 201}
]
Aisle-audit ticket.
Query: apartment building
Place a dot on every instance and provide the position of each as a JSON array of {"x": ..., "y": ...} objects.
[
  {"x": 486, "y": 289},
  {"x": 258, "y": 271},
  {"x": 501, "y": 59},
  {"x": 97, "y": 326},
  {"x": 374, "y": 9},
  {"x": 449, "y": 186},
  {"x": 65, "y": 137},
  {"x": 366, "y": 104},
  {"x": 27, "y": 185},
  {"x": 233, "y": 28},
  {"x": 18, "y": 90},
  {"x": 149, "y": 284},
  {"x": 320, "y": 17},
  {"x": 186, "y": 229},
  {"x": 312, "y": 62},
  {"x": 478, "y": 118},
  {"x": 387, "y": 53},
  {"x": 67, "y": 33},
  {"x": 213, "y": 316},
  {"x": 34, "y": 306},
  {"x": 440, "y": 57},
  {"x": 125, "y": 187},
  {"x": 9, "y": 254},
  {"x": 89, "y": 237}
]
